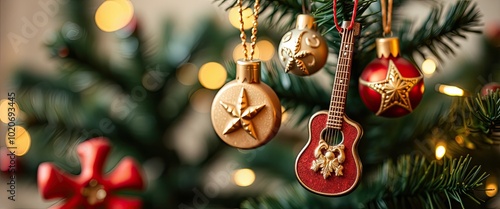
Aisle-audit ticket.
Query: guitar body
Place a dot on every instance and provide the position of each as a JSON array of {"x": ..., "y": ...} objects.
[{"x": 333, "y": 185}]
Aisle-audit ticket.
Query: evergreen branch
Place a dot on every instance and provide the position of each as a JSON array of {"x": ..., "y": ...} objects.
[
  {"x": 416, "y": 183},
  {"x": 48, "y": 101},
  {"x": 486, "y": 109},
  {"x": 410, "y": 182},
  {"x": 437, "y": 35}
]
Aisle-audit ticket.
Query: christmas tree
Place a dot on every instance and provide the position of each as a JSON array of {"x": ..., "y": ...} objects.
[{"x": 152, "y": 102}]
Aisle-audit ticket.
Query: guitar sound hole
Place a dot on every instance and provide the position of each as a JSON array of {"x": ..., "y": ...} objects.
[{"x": 332, "y": 136}]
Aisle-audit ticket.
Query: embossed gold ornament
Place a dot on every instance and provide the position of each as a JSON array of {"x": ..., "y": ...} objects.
[
  {"x": 238, "y": 123},
  {"x": 328, "y": 159},
  {"x": 246, "y": 113},
  {"x": 303, "y": 51}
]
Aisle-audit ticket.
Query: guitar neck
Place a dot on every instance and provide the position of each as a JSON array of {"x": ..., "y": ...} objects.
[{"x": 342, "y": 77}]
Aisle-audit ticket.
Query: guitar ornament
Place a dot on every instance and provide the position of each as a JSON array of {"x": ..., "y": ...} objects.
[{"x": 329, "y": 163}]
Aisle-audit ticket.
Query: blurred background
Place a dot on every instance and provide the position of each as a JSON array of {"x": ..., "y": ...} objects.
[{"x": 148, "y": 87}]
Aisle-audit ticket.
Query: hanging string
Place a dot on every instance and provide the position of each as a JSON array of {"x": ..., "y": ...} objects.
[
  {"x": 306, "y": 6},
  {"x": 386, "y": 16},
  {"x": 243, "y": 36},
  {"x": 353, "y": 17}
]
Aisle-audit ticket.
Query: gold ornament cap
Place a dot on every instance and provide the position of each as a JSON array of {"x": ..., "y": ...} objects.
[
  {"x": 305, "y": 21},
  {"x": 387, "y": 46},
  {"x": 248, "y": 71}
]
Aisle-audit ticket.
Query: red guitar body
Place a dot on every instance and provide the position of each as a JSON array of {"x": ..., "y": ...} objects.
[{"x": 333, "y": 185}]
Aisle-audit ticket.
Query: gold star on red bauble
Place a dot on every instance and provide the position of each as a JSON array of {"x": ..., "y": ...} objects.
[{"x": 394, "y": 90}]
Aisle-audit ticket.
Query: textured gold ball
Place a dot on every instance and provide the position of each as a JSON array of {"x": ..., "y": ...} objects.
[{"x": 303, "y": 51}]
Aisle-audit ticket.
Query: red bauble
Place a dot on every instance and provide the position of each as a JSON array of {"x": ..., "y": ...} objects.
[
  {"x": 92, "y": 189},
  {"x": 489, "y": 88},
  {"x": 391, "y": 87}
]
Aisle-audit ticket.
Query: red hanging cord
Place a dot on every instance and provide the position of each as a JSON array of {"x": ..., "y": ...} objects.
[{"x": 353, "y": 17}]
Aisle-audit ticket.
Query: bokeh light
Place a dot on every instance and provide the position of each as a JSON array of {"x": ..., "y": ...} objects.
[
  {"x": 460, "y": 140},
  {"x": 238, "y": 52},
  {"x": 6, "y": 108},
  {"x": 186, "y": 74},
  {"x": 266, "y": 50},
  {"x": 113, "y": 15},
  {"x": 450, "y": 90},
  {"x": 491, "y": 186},
  {"x": 244, "y": 177},
  {"x": 440, "y": 151},
  {"x": 429, "y": 66},
  {"x": 201, "y": 100},
  {"x": 234, "y": 18},
  {"x": 470, "y": 145},
  {"x": 21, "y": 142},
  {"x": 212, "y": 75}
]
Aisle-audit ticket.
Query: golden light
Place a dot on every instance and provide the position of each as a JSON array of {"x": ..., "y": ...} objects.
[
  {"x": 113, "y": 15},
  {"x": 186, "y": 74},
  {"x": 491, "y": 186},
  {"x": 201, "y": 100},
  {"x": 19, "y": 142},
  {"x": 440, "y": 152},
  {"x": 234, "y": 18},
  {"x": 451, "y": 90},
  {"x": 284, "y": 114},
  {"x": 244, "y": 177},
  {"x": 470, "y": 145},
  {"x": 429, "y": 66},
  {"x": 238, "y": 52},
  {"x": 8, "y": 112},
  {"x": 212, "y": 75},
  {"x": 266, "y": 50},
  {"x": 460, "y": 140}
]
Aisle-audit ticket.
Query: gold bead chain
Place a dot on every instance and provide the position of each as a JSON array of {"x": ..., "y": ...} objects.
[{"x": 243, "y": 36}]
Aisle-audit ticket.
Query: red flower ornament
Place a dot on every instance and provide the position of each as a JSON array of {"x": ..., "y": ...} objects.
[{"x": 92, "y": 189}]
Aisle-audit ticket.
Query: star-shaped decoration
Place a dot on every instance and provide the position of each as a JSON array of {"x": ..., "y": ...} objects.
[
  {"x": 295, "y": 56},
  {"x": 242, "y": 114},
  {"x": 394, "y": 89}
]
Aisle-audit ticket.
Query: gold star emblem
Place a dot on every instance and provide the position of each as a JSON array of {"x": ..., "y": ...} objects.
[
  {"x": 295, "y": 56},
  {"x": 394, "y": 89},
  {"x": 242, "y": 114}
]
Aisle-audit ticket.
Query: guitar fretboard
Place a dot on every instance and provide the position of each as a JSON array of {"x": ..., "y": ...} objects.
[{"x": 341, "y": 82}]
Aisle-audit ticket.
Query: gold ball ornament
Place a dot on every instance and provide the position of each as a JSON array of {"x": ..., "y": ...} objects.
[
  {"x": 303, "y": 51},
  {"x": 246, "y": 113}
]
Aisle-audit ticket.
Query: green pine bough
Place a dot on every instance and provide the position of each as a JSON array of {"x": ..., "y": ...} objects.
[{"x": 411, "y": 181}]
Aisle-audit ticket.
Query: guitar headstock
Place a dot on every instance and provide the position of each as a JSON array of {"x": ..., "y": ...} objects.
[{"x": 356, "y": 27}]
